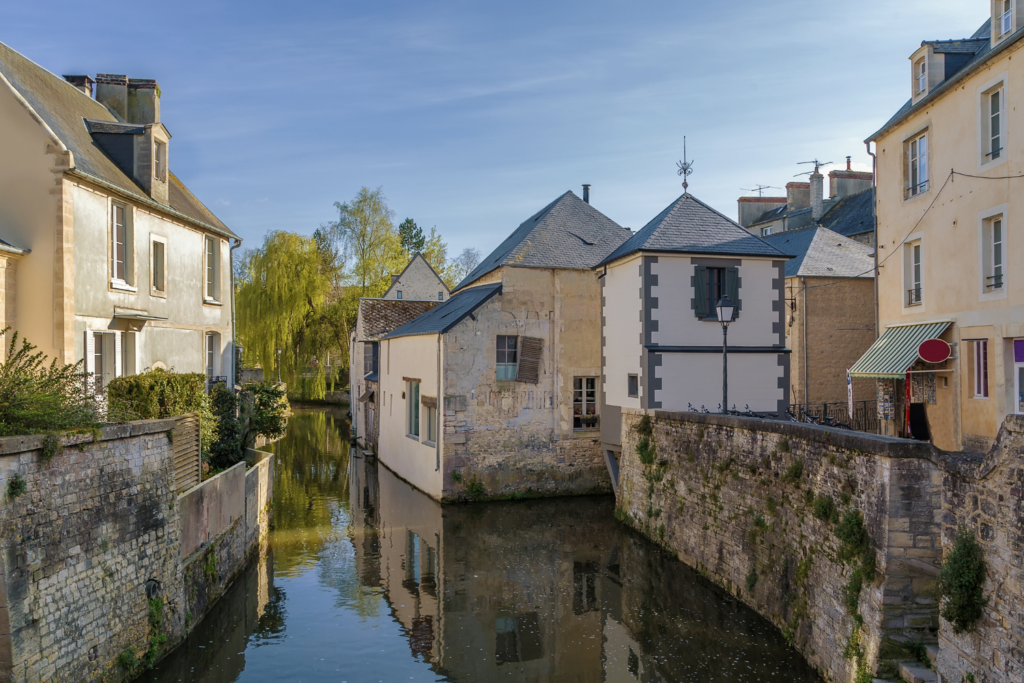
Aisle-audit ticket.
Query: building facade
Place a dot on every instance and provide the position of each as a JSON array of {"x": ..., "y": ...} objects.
[
  {"x": 107, "y": 257},
  {"x": 662, "y": 342},
  {"x": 947, "y": 240},
  {"x": 494, "y": 392}
]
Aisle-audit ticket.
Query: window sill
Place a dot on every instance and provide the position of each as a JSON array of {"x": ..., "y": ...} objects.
[
  {"x": 123, "y": 286},
  {"x": 414, "y": 438},
  {"x": 211, "y": 302},
  {"x": 432, "y": 444},
  {"x": 158, "y": 293}
]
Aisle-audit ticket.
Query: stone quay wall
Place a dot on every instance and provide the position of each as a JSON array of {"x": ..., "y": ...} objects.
[
  {"x": 736, "y": 498},
  {"x": 96, "y": 533}
]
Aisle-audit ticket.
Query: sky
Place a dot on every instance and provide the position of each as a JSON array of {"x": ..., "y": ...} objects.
[{"x": 472, "y": 116}]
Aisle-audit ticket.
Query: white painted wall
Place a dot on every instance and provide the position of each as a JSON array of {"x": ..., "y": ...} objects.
[
  {"x": 412, "y": 459},
  {"x": 697, "y": 378},
  {"x": 622, "y": 313}
]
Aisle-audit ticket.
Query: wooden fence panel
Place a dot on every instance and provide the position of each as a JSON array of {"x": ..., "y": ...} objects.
[{"x": 187, "y": 461}]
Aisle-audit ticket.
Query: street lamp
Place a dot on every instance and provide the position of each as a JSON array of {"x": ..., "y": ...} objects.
[
  {"x": 279, "y": 366},
  {"x": 725, "y": 310}
]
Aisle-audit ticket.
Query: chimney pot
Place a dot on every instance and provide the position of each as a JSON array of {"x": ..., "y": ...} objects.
[
  {"x": 586, "y": 193},
  {"x": 848, "y": 164},
  {"x": 83, "y": 83}
]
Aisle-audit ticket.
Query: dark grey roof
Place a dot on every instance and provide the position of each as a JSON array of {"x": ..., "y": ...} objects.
[
  {"x": 690, "y": 226},
  {"x": 11, "y": 249},
  {"x": 981, "y": 40},
  {"x": 777, "y": 213},
  {"x": 851, "y": 215},
  {"x": 65, "y": 108},
  {"x": 449, "y": 314},
  {"x": 567, "y": 233},
  {"x": 819, "y": 252}
]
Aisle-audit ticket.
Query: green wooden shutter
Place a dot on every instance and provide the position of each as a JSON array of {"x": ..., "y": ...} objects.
[
  {"x": 700, "y": 291},
  {"x": 732, "y": 289}
]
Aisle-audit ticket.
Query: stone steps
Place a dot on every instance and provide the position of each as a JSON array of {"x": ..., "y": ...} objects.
[
  {"x": 917, "y": 673},
  {"x": 933, "y": 653}
]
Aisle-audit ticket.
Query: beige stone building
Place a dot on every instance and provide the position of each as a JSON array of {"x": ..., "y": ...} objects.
[
  {"x": 830, "y": 315},
  {"x": 106, "y": 255},
  {"x": 497, "y": 387},
  {"x": 949, "y": 198}
]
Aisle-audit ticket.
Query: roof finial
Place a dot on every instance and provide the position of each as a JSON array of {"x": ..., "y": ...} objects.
[{"x": 684, "y": 167}]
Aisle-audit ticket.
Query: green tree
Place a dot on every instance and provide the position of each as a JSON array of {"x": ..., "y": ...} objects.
[
  {"x": 368, "y": 239},
  {"x": 411, "y": 236}
]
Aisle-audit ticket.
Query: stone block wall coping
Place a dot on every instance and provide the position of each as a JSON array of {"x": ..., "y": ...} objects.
[
  {"x": 980, "y": 465},
  {"x": 873, "y": 444},
  {"x": 11, "y": 445}
]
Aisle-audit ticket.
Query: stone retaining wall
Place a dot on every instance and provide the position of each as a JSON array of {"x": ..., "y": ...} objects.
[{"x": 95, "y": 534}]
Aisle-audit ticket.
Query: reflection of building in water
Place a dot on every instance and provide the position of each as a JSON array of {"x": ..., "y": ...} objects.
[{"x": 544, "y": 590}]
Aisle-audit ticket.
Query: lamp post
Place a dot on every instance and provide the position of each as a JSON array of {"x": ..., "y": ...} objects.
[
  {"x": 725, "y": 310},
  {"x": 279, "y": 366}
]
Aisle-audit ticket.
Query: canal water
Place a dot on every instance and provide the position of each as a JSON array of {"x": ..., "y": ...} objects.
[{"x": 369, "y": 580}]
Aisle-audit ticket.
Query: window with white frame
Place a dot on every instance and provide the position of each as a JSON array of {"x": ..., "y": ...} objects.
[
  {"x": 765, "y": 232},
  {"x": 212, "y": 264},
  {"x": 160, "y": 161},
  {"x": 211, "y": 354},
  {"x": 993, "y": 124},
  {"x": 158, "y": 265},
  {"x": 912, "y": 272},
  {"x": 412, "y": 392},
  {"x": 920, "y": 76},
  {"x": 122, "y": 248},
  {"x": 917, "y": 165},
  {"x": 993, "y": 237},
  {"x": 979, "y": 368},
  {"x": 584, "y": 402},
  {"x": 430, "y": 415},
  {"x": 1004, "y": 10}
]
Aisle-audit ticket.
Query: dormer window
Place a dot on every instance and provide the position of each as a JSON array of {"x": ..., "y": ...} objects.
[
  {"x": 1004, "y": 8},
  {"x": 160, "y": 161},
  {"x": 921, "y": 76}
]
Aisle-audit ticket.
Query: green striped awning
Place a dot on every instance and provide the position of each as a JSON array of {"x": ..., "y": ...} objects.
[{"x": 895, "y": 351}]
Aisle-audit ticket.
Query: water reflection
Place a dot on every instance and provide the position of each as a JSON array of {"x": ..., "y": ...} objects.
[{"x": 368, "y": 580}]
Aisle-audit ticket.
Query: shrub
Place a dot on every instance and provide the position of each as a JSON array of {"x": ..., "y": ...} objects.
[
  {"x": 227, "y": 449},
  {"x": 475, "y": 489},
  {"x": 645, "y": 449},
  {"x": 16, "y": 486},
  {"x": 961, "y": 583},
  {"x": 824, "y": 508},
  {"x": 265, "y": 412},
  {"x": 158, "y": 394},
  {"x": 37, "y": 397},
  {"x": 793, "y": 472}
]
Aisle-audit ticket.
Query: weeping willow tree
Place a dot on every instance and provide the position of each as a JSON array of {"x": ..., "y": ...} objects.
[{"x": 280, "y": 296}]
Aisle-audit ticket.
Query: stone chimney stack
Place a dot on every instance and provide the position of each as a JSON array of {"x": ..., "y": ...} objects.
[
  {"x": 817, "y": 201},
  {"x": 83, "y": 83},
  {"x": 112, "y": 91},
  {"x": 143, "y": 101},
  {"x": 798, "y": 196}
]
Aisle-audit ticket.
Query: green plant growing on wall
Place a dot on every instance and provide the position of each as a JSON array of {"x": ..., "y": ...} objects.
[
  {"x": 784, "y": 445},
  {"x": 16, "y": 486},
  {"x": 751, "y": 579},
  {"x": 210, "y": 566},
  {"x": 824, "y": 508},
  {"x": 157, "y": 637},
  {"x": 793, "y": 472},
  {"x": 456, "y": 477},
  {"x": 475, "y": 489},
  {"x": 52, "y": 446},
  {"x": 127, "y": 660},
  {"x": 961, "y": 583}
]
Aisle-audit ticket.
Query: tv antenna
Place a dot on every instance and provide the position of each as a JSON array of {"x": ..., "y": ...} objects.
[
  {"x": 816, "y": 165},
  {"x": 684, "y": 167},
  {"x": 760, "y": 188}
]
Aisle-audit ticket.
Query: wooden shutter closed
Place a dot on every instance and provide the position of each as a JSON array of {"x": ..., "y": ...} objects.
[
  {"x": 700, "y": 291},
  {"x": 732, "y": 289},
  {"x": 529, "y": 359}
]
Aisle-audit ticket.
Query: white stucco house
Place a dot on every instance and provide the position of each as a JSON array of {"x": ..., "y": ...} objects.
[
  {"x": 661, "y": 340},
  {"x": 109, "y": 258}
]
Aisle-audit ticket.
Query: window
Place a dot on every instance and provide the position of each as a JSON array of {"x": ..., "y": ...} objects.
[
  {"x": 211, "y": 354},
  {"x": 212, "y": 292},
  {"x": 399, "y": 293},
  {"x": 412, "y": 391},
  {"x": 507, "y": 358},
  {"x": 440, "y": 296},
  {"x": 979, "y": 368},
  {"x": 765, "y": 232},
  {"x": 1005, "y": 10},
  {"x": 584, "y": 402},
  {"x": 431, "y": 418},
  {"x": 917, "y": 166},
  {"x": 994, "y": 239},
  {"x": 912, "y": 272},
  {"x": 1018, "y": 375},
  {"x": 710, "y": 285},
  {"x": 994, "y": 129},
  {"x": 97, "y": 364},
  {"x": 633, "y": 386},
  {"x": 122, "y": 268},
  {"x": 920, "y": 76},
  {"x": 158, "y": 267},
  {"x": 371, "y": 352},
  {"x": 160, "y": 159}
]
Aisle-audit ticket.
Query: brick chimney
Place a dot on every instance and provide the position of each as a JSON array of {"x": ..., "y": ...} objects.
[
  {"x": 143, "y": 101},
  {"x": 842, "y": 184},
  {"x": 112, "y": 91},
  {"x": 83, "y": 83},
  {"x": 817, "y": 201}
]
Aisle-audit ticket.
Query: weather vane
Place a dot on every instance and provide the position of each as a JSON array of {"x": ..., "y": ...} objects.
[{"x": 684, "y": 167}]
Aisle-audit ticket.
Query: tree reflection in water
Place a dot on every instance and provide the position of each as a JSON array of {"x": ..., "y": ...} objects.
[{"x": 369, "y": 579}]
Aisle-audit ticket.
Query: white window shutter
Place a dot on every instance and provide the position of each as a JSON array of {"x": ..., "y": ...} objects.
[
  {"x": 90, "y": 352},
  {"x": 118, "y": 359}
]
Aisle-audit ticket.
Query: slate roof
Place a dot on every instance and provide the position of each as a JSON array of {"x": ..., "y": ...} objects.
[
  {"x": 450, "y": 313},
  {"x": 381, "y": 316},
  {"x": 567, "y": 233},
  {"x": 981, "y": 41},
  {"x": 851, "y": 215},
  {"x": 690, "y": 226},
  {"x": 777, "y": 213},
  {"x": 65, "y": 108},
  {"x": 820, "y": 252}
]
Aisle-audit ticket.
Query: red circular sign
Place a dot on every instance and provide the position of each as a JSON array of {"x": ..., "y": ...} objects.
[{"x": 933, "y": 351}]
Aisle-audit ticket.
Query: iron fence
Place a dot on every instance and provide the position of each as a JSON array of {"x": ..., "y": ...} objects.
[{"x": 864, "y": 418}]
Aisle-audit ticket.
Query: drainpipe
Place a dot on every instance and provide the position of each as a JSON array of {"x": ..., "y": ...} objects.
[
  {"x": 234, "y": 345},
  {"x": 874, "y": 224},
  {"x": 440, "y": 413},
  {"x": 807, "y": 364}
]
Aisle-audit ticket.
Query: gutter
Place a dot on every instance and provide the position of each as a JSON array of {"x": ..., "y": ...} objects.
[
  {"x": 874, "y": 224},
  {"x": 13, "y": 250},
  {"x": 807, "y": 364},
  {"x": 234, "y": 344},
  {"x": 440, "y": 413}
]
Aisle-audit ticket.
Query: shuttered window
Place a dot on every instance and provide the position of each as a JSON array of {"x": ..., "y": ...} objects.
[
  {"x": 529, "y": 359},
  {"x": 507, "y": 357},
  {"x": 709, "y": 286}
]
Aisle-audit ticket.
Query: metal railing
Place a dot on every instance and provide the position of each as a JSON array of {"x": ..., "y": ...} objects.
[
  {"x": 914, "y": 296},
  {"x": 915, "y": 190},
  {"x": 997, "y": 281},
  {"x": 864, "y": 418}
]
